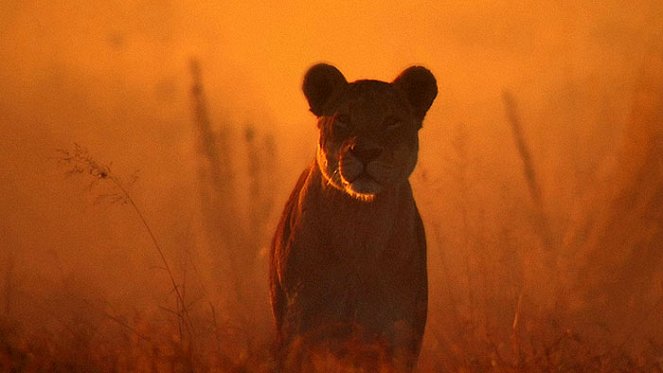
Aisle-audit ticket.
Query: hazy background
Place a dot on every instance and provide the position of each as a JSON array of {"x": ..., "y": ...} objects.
[{"x": 567, "y": 258}]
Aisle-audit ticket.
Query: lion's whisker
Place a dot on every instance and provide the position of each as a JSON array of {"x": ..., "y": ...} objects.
[{"x": 331, "y": 177}]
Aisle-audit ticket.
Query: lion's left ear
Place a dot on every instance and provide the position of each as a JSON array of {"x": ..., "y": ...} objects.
[
  {"x": 420, "y": 88},
  {"x": 321, "y": 82}
]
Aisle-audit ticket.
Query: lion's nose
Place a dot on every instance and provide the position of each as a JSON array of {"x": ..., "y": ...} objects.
[{"x": 365, "y": 152}]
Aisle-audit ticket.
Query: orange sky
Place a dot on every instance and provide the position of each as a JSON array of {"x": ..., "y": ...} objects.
[{"x": 265, "y": 47}]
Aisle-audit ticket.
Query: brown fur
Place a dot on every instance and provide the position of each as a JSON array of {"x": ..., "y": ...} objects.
[{"x": 348, "y": 261}]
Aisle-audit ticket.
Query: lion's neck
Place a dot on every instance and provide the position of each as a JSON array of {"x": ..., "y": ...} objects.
[{"x": 360, "y": 227}]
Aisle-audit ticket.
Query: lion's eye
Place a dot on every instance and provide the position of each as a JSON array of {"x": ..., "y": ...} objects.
[
  {"x": 342, "y": 122},
  {"x": 393, "y": 123}
]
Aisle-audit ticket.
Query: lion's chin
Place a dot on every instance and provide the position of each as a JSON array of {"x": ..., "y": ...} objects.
[{"x": 363, "y": 188}]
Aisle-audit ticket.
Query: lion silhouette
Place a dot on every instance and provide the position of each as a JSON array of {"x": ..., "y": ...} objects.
[{"x": 348, "y": 280}]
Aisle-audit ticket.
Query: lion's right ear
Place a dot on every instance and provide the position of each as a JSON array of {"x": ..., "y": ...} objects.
[
  {"x": 420, "y": 88},
  {"x": 320, "y": 83}
]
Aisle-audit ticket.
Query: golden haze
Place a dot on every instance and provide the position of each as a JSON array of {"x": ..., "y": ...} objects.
[{"x": 565, "y": 259}]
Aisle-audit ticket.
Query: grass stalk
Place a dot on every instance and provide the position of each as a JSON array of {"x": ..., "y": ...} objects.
[
  {"x": 543, "y": 229},
  {"x": 81, "y": 162}
]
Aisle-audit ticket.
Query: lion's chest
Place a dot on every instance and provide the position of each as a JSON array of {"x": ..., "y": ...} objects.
[
  {"x": 365, "y": 253},
  {"x": 359, "y": 233},
  {"x": 361, "y": 239}
]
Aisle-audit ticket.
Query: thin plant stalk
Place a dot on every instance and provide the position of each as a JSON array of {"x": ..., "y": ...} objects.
[
  {"x": 82, "y": 163},
  {"x": 541, "y": 220},
  {"x": 159, "y": 250}
]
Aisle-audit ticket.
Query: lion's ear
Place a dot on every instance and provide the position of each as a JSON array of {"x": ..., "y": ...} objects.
[
  {"x": 420, "y": 88},
  {"x": 320, "y": 83}
]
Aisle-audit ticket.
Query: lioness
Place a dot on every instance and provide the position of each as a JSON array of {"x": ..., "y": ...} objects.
[{"x": 348, "y": 261}]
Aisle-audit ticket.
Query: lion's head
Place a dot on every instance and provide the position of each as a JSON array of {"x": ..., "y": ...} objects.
[{"x": 368, "y": 128}]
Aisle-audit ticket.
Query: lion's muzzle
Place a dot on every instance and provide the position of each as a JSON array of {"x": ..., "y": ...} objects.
[{"x": 354, "y": 168}]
